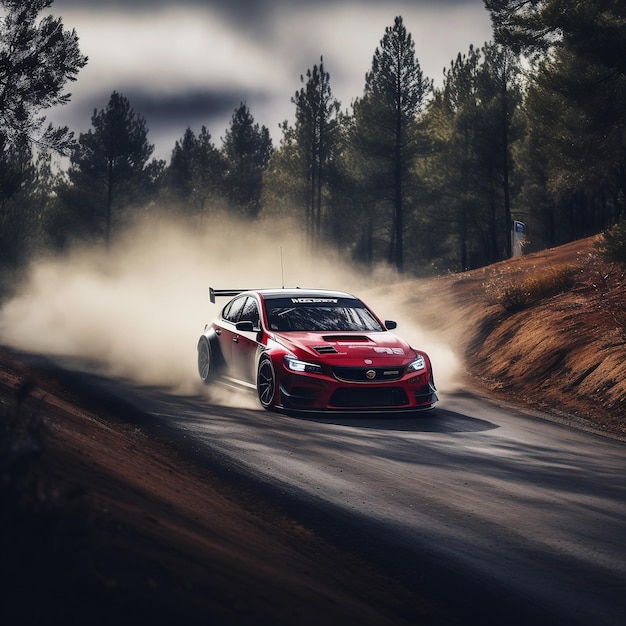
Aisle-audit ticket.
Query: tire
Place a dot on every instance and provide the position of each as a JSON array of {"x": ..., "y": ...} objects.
[
  {"x": 266, "y": 383},
  {"x": 205, "y": 362}
]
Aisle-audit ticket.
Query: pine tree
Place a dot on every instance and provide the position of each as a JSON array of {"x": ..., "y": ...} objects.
[
  {"x": 451, "y": 170},
  {"x": 578, "y": 115},
  {"x": 208, "y": 172},
  {"x": 591, "y": 29},
  {"x": 316, "y": 129},
  {"x": 575, "y": 102},
  {"x": 247, "y": 149},
  {"x": 472, "y": 125},
  {"x": 109, "y": 168},
  {"x": 180, "y": 170},
  {"x": 17, "y": 177},
  {"x": 386, "y": 118},
  {"x": 285, "y": 188},
  {"x": 500, "y": 96},
  {"x": 195, "y": 176},
  {"x": 37, "y": 58}
]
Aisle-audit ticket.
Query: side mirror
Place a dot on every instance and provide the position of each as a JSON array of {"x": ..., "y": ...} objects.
[
  {"x": 390, "y": 324},
  {"x": 245, "y": 327}
]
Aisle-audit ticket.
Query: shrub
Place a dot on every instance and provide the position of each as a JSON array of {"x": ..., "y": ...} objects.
[
  {"x": 532, "y": 288},
  {"x": 613, "y": 243}
]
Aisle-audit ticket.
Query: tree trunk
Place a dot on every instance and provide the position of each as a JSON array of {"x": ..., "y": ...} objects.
[
  {"x": 109, "y": 206},
  {"x": 398, "y": 200},
  {"x": 505, "y": 168}
]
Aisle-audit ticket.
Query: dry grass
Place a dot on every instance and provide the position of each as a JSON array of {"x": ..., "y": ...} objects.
[{"x": 532, "y": 287}]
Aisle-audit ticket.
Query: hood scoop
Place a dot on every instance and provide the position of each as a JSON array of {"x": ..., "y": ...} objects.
[
  {"x": 347, "y": 338},
  {"x": 325, "y": 349}
]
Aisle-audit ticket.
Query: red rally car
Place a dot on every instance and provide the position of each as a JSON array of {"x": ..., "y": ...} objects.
[{"x": 313, "y": 350}]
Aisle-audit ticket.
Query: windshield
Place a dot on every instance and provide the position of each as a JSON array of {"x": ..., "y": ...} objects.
[{"x": 323, "y": 314}]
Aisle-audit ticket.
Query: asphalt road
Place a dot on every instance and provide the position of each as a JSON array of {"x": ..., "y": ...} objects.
[
  {"x": 500, "y": 515},
  {"x": 510, "y": 517}
]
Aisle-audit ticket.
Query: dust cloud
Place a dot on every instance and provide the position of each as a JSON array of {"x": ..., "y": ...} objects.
[{"x": 136, "y": 310}]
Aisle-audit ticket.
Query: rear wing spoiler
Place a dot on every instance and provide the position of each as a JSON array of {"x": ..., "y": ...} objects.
[{"x": 213, "y": 293}]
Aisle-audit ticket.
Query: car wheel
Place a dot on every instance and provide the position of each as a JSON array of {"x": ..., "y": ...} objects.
[
  {"x": 205, "y": 367},
  {"x": 266, "y": 383}
]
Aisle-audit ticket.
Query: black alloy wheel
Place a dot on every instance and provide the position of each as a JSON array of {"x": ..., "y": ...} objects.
[
  {"x": 266, "y": 383},
  {"x": 204, "y": 361}
]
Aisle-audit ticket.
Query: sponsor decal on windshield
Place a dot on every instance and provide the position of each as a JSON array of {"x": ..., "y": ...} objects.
[{"x": 310, "y": 300}]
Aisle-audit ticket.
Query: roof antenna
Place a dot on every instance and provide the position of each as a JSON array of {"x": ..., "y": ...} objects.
[{"x": 282, "y": 273}]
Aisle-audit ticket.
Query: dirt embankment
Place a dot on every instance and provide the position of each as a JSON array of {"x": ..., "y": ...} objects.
[
  {"x": 101, "y": 523},
  {"x": 547, "y": 330}
]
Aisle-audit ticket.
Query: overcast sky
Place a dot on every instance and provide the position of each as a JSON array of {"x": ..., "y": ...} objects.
[{"x": 190, "y": 63}]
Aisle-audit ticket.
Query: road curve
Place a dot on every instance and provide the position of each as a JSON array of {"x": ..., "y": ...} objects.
[{"x": 510, "y": 517}]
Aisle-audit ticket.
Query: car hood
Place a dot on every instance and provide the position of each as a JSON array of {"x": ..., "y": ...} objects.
[{"x": 374, "y": 346}]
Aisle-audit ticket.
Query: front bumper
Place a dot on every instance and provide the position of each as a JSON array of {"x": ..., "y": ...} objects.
[{"x": 413, "y": 392}]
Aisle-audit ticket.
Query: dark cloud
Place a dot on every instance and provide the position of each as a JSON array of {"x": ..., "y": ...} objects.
[
  {"x": 245, "y": 10},
  {"x": 169, "y": 114},
  {"x": 172, "y": 114},
  {"x": 193, "y": 105},
  {"x": 242, "y": 6},
  {"x": 267, "y": 38},
  {"x": 247, "y": 13},
  {"x": 161, "y": 108}
]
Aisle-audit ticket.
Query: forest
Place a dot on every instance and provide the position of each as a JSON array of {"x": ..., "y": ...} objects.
[{"x": 529, "y": 128}]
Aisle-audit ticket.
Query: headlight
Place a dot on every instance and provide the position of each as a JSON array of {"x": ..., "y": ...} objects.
[
  {"x": 417, "y": 365},
  {"x": 295, "y": 365}
]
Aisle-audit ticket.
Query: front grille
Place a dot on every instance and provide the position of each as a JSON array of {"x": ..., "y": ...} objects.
[
  {"x": 369, "y": 397},
  {"x": 360, "y": 374}
]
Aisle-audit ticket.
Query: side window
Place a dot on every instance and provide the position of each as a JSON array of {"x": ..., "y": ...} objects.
[
  {"x": 232, "y": 309},
  {"x": 250, "y": 313},
  {"x": 226, "y": 310}
]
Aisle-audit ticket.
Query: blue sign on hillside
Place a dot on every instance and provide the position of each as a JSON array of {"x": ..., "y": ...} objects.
[{"x": 518, "y": 235}]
